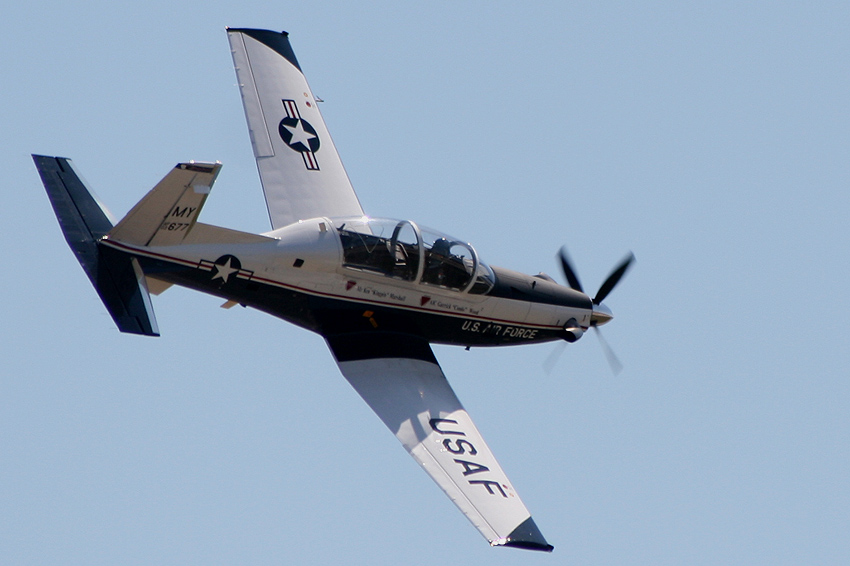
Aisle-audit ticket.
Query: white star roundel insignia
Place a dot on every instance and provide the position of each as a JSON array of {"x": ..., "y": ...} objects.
[
  {"x": 224, "y": 267},
  {"x": 299, "y": 135}
]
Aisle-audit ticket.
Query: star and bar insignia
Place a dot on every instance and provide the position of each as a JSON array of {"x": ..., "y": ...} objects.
[
  {"x": 299, "y": 135},
  {"x": 224, "y": 268}
]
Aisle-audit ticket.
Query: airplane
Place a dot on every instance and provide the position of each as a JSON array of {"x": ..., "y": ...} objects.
[{"x": 379, "y": 291}]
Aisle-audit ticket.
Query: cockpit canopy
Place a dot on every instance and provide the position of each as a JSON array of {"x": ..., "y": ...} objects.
[{"x": 404, "y": 250}]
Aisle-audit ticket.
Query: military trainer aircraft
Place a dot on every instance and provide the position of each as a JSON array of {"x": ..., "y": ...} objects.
[{"x": 379, "y": 291}]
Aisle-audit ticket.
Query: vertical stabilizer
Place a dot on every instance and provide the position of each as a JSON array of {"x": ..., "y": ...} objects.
[{"x": 169, "y": 212}]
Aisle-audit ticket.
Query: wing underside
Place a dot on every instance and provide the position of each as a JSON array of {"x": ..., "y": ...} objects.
[
  {"x": 300, "y": 170},
  {"x": 400, "y": 379}
]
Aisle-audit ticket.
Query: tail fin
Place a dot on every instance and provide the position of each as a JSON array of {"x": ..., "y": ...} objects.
[
  {"x": 166, "y": 215},
  {"x": 116, "y": 277}
]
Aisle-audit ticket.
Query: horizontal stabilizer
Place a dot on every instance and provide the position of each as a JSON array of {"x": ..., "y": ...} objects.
[{"x": 116, "y": 277}]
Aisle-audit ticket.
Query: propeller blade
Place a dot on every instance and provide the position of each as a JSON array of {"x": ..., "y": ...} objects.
[
  {"x": 568, "y": 270},
  {"x": 614, "y": 278},
  {"x": 554, "y": 356},
  {"x": 613, "y": 360}
]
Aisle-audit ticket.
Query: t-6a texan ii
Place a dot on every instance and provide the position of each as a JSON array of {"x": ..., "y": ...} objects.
[{"x": 379, "y": 291}]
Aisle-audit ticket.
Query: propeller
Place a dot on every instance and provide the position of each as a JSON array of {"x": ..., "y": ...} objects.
[
  {"x": 606, "y": 287},
  {"x": 613, "y": 360},
  {"x": 613, "y": 279},
  {"x": 601, "y": 313}
]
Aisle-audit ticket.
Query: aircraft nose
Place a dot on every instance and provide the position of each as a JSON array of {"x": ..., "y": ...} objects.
[{"x": 600, "y": 315}]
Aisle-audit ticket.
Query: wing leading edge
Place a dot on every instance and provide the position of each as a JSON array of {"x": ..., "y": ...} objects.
[
  {"x": 401, "y": 380},
  {"x": 300, "y": 170}
]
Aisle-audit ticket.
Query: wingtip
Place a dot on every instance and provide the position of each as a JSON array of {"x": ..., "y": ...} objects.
[
  {"x": 250, "y": 30},
  {"x": 40, "y": 157},
  {"x": 526, "y": 536},
  {"x": 275, "y": 40}
]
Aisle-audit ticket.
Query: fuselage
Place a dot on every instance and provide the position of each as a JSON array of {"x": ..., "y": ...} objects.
[{"x": 333, "y": 276}]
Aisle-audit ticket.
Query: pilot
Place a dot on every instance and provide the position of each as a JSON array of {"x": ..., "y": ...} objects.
[
  {"x": 442, "y": 247},
  {"x": 435, "y": 270}
]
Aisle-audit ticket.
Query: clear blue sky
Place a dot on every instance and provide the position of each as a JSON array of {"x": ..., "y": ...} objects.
[{"x": 710, "y": 138}]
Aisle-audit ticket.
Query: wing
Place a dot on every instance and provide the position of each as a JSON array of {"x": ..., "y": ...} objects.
[
  {"x": 400, "y": 379},
  {"x": 300, "y": 170}
]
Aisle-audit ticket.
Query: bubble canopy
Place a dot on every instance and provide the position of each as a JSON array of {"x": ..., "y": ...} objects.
[{"x": 404, "y": 250}]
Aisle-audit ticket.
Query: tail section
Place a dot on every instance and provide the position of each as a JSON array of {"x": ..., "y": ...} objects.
[
  {"x": 116, "y": 277},
  {"x": 168, "y": 213}
]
